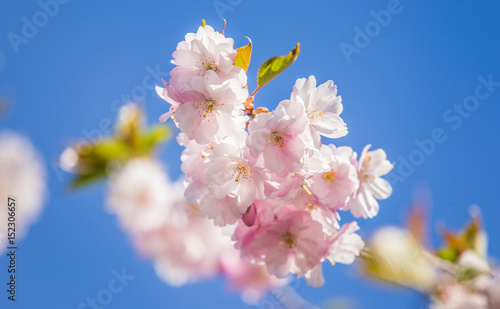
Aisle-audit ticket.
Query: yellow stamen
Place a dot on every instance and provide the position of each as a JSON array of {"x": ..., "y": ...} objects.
[
  {"x": 277, "y": 138},
  {"x": 289, "y": 239},
  {"x": 330, "y": 175},
  {"x": 310, "y": 207},
  {"x": 243, "y": 171},
  {"x": 315, "y": 115},
  {"x": 307, "y": 190},
  {"x": 210, "y": 107},
  {"x": 207, "y": 66}
]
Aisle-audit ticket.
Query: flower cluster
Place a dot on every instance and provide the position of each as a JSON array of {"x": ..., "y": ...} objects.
[
  {"x": 184, "y": 246},
  {"x": 266, "y": 176}
]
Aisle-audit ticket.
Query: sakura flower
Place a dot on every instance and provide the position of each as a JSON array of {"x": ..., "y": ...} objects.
[
  {"x": 171, "y": 96},
  {"x": 334, "y": 185},
  {"x": 279, "y": 138},
  {"x": 326, "y": 216},
  {"x": 184, "y": 252},
  {"x": 205, "y": 51},
  {"x": 193, "y": 165},
  {"x": 22, "y": 179},
  {"x": 322, "y": 106},
  {"x": 295, "y": 243},
  {"x": 139, "y": 194},
  {"x": 371, "y": 165},
  {"x": 229, "y": 174},
  {"x": 208, "y": 109},
  {"x": 346, "y": 245},
  {"x": 219, "y": 180},
  {"x": 222, "y": 211},
  {"x": 184, "y": 246}
]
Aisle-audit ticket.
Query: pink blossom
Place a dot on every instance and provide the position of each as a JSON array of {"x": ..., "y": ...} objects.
[
  {"x": 23, "y": 178},
  {"x": 294, "y": 243},
  {"x": 371, "y": 165},
  {"x": 251, "y": 279},
  {"x": 279, "y": 138},
  {"x": 346, "y": 245},
  {"x": 210, "y": 109},
  {"x": 201, "y": 52},
  {"x": 171, "y": 96},
  {"x": 322, "y": 106},
  {"x": 229, "y": 174},
  {"x": 337, "y": 181}
]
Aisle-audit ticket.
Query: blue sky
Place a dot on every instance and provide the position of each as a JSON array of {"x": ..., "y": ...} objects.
[{"x": 415, "y": 76}]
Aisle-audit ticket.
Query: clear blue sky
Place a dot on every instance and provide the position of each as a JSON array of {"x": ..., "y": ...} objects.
[{"x": 67, "y": 79}]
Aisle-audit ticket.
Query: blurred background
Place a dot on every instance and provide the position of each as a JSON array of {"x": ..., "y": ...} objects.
[{"x": 409, "y": 73}]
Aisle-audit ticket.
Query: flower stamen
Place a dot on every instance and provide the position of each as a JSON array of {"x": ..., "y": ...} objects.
[
  {"x": 330, "y": 175},
  {"x": 277, "y": 138},
  {"x": 289, "y": 239}
]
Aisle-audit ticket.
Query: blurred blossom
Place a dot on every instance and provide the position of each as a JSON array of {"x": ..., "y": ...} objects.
[
  {"x": 22, "y": 177},
  {"x": 457, "y": 276},
  {"x": 184, "y": 246},
  {"x": 395, "y": 256}
]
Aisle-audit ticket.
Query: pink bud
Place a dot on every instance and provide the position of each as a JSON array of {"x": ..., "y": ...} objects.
[{"x": 250, "y": 215}]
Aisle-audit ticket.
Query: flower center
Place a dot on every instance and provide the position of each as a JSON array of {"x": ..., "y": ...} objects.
[
  {"x": 277, "y": 138},
  {"x": 314, "y": 115},
  {"x": 242, "y": 171},
  {"x": 311, "y": 207},
  {"x": 210, "y": 107},
  {"x": 289, "y": 239},
  {"x": 364, "y": 177},
  {"x": 143, "y": 197},
  {"x": 209, "y": 65},
  {"x": 330, "y": 175}
]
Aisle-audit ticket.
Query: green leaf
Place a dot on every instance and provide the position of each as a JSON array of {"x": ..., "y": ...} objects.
[
  {"x": 86, "y": 179},
  {"x": 152, "y": 138},
  {"x": 275, "y": 66},
  {"x": 448, "y": 254},
  {"x": 243, "y": 56},
  {"x": 111, "y": 150},
  {"x": 468, "y": 274}
]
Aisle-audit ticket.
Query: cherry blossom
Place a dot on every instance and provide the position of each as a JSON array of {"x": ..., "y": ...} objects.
[
  {"x": 371, "y": 165},
  {"x": 293, "y": 243},
  {"x": 279, "y": 138},
  {"x": 22, "y": 179},
  {"x": 322, "y": 106},
  {"x": 337, "y": 181}
]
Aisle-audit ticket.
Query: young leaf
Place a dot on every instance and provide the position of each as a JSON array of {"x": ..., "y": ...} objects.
[
  {"x": 275, "y": 65},
  {"x": 87, "y": 179},
  {"x": 151, "y": 138},
  {"x": 244, "y": 54}
]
